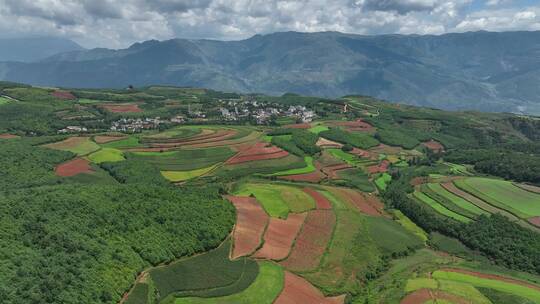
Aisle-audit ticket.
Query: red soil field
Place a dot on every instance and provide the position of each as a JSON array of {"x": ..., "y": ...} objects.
[
  {"x": 434, "y": 146},
  {"x": 331, "y": 171},
  {"x": 492, "y": 277},
  {"x": 320, "y": 200},
  {"x": 368, "y": 205},
  {"x": 298, "y": 126},
  {"x": 380, "y": 168},
  {"x": 313, "y": 177},
  {"x": 73, "y": 167},
  {"x": 122, "y": 108},
  {"x": 297, "y": 290},
  {"x": 103, "y": 139},
  {"x": 535, "y": 221},
  {"x": 67, "y": 143},
  {"x": 424, "y": 295},
  {"x": 312, "y": 241},
  {"x": 8, "y": 136},
  {"x": 358, "y": 125},
  {"x": 418, "y": 181},
  {"x": 251, "y": 221},
  {"x": 208, "y": 138},
  {"x": 63, "y": 95},
  {"x": 361, "y": 153},
  {"x": 259, "y": 151},
  {"x": 279, "y": 237},
  {"x": 386, "y": 149}
]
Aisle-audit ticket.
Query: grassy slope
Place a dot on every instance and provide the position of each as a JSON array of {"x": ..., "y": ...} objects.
[
  {"x": 460, "y": 202},
  {"x": 106, "y": 155},
  {"x": 307, "y": 169},
  {"x": 439, "y": 208}
]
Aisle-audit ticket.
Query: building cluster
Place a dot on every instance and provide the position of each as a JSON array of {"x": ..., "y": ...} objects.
[
  {"x": 132, "y": 125},
  {"x": 263, "y": 112},
  {"x": 72, "y": 129}
]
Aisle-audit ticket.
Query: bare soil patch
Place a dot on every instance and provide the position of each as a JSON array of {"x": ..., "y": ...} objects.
[
  {"x": 370, "y": 206},
  {"x": 122, "y": 108},
  {"x": 433, "y": 145},
  {"x": 380, "y": 168},
  {"x": 73, "y": 167},
  {"x": 312, "y": 241},
  {"x": 8, "y": 136},
  {"x": 298, "y": 126},
  {"x": 68, "y": 143},
  {"x": 326, "y": 143},
  {"x": 320, "y": 200},
  {"x": 279, "y": 237},
  {"x": 63, "y": 95},
  {"x": 535, "y": 221},
  {"x": 251, "y": 221},
  {"x": 355, "y": 126},
  {"x": 298, "y": 290},
  {"x": 259, "y": 151}
]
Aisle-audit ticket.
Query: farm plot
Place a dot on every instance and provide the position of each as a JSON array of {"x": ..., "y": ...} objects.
[
  {"x": 324, "y": 143},
  {"x": 320, "y": 200},
  {"x": 208, "y": 274},
  {"x": 298, "y": 290},
  {"x": 4, "y": 101},
  {"x": 390, "y": 237},
  {"x": 382, "y": 181},
  {"x": 313, "y": 177},
  {"x": 261, "y": 167},
  {"x": 177, "y": 133},
  {"x": 502, "y": 194},
  {"x": 310, "y": 167},
  {"x": 332, "y": 171},
  {"x": 356, "y": 178},
  {"x": 251, "y": 222},
  {"x": 264, "y": 290},
  {"x": 184, "y": 160},
  {"x": 103, "y": 139},
  {"x": 8, "y": 136},
  {"x": 440, "y": 194},
  {"x": 73, "y": 167},
  {"x": 530, "y": 188},
  {"x": 312, "y": 241},
  {"x": 180, "y": 176},
  {"x": 366, "y": 204},
  {"x": 259, "y": 151},
  {"x": 503, "y": 284},
  {"x": 106, "y": 155},
  {"x": 78, "y": 145},
  {"x": 122, "y": 107},
  {"x": 278, "y": 200},
  {"x": 422, "y": 198},
  {"x": 279, "y": 237},
  {"x": 128, "y": 142}
]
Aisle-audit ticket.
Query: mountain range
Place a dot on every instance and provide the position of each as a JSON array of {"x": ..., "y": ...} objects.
[
  {"x": 34, "y": 48},
  {"x": 484, "y": 71}
]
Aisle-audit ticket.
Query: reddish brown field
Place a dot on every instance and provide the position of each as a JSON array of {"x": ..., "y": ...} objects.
[
  {"x": 358, "y": 125},
  {"x": 313, "y": 177},
  {"x": 259, "y": 151},
  {"x": 103, "y": 139},
  {"x": 312, "y": 241},
  {"x": 279, "y": 237},
  {"x": 298, "y": 126},
  {"x": 380, "y": 168},
  {"x": 419, "y": 180},
  {"x": 362, "y": 153},
  {"x": 492, "y": 277},
  {"x": 8, "y": 136},
  {"x": 251, "y": 221},
  {"x": 122, "y": 108},
  {"x": 369, "y": 205},
  {"x": 73, "y": 167},
  {"x": 297, "y": 290},
  {"x": 424, "y": 295},
  {"x": 67, "y": 143},
  {"x": 320, "y": 200},
  {"x": 433, "y": 145},
  {"x": 331, "y": 171},
  {"x": 63, "y": 95},
  {"x": 535, "y": 221},
  {"x": 386, "y": 149},
  {"x": 203, "y": 139}
]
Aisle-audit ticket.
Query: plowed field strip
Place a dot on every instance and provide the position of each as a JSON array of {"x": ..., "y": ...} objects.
[{"x": 279, "y": 237}]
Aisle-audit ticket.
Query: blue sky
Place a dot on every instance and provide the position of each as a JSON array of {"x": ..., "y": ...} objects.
[{"x": 117, "y": 24}]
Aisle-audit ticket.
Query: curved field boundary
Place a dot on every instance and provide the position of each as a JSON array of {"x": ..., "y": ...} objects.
[
  {"x": 218, "y": 136},
  {"x": 180, "y": 176},
  {"x": 251, "y": 222},
  {"x": 79, "y": 145},
  {"x": 244, "y": 158},
  {"x": 298, "y": 290},
  {"x": 106, "y": 155},
  {"x": 320, "y": 200},
  {"x": 328, "y": 144},
  {"x": 310, "y": 167},
  {"x": 424, "y": 199},
  {"x": 457, "y": 200},
  {"x": 530, "y": 188},
  {"x": 504, "y": 192},
  {"x": 447, "y": 203},
  {"x": 313, "y": 177},
  {"x": 496, "y": 282},
  {"x": 430, "y": 296},
  {"x": 312, "y": 241},
  {"x": 229, "y": 142},
  {"x": 264, "y": 290},
  {"x": 103, "y": 139},
  {"x": 331, "y": 171},
  {"x": 279, "y": 237},
  {"x": 73, "y": 167}
]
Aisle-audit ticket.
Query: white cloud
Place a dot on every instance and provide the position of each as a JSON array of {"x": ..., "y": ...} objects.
[{"x": 110, "y": 23}]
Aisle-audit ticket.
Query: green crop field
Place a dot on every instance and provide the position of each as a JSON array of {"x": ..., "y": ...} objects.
[
  {"x": 130, "y": 142},
  {"x": 390, "y": 237},
  {"x": 439, "y": 208},
  {"x": 278, "y": 200},
  {"x": 318, "y": 129},
  {"x": 184, "y": 160},
  {"x": 382, "y": 181},
  {"x": 356, "y": 178},
  {"x": 177, "y": 133},
  {"x": 507, "y": 287},
  {"x": 4, "y": 101},
  {"x": 344, "y": 156},
  {"x": 180, "y": 176},
  {"x": 196, "y": 276},
  {"x": 106, "y": 155},
  {"x": 142, "y": 293},
  {"x": 261, "y": 167},
  {"x": 410, "y": 225},
  {"x": 460, "y": 202},
  {"x": 264, "y": 290},
  {"x": 503, "y": 194},
  {"x": 309, "y": 167}
]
